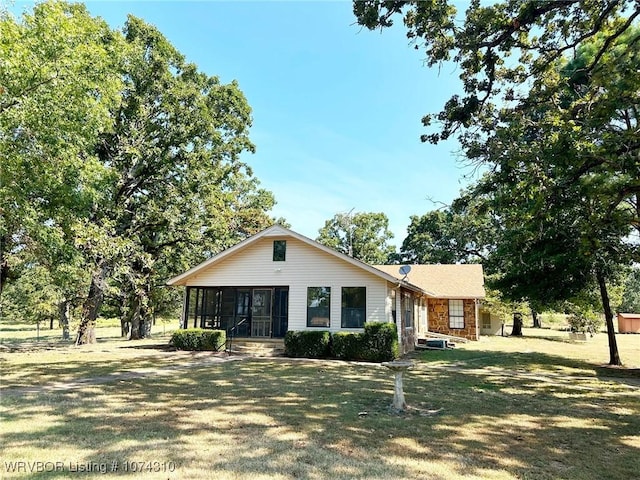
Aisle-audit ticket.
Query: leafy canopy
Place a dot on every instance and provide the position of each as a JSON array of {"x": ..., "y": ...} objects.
[{"x": 360, "y": 235}]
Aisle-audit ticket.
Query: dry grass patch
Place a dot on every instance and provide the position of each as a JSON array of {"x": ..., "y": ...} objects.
[{"x": 483, "y": 414}]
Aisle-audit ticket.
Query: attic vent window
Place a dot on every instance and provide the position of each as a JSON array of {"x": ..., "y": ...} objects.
[{"x": 279, "y": 250}]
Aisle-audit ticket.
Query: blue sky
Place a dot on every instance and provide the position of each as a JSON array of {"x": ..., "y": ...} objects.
[{"x": 336, "y": 108}]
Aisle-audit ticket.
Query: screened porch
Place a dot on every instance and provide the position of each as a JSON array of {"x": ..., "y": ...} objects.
[{"x": 249, "y": 312}]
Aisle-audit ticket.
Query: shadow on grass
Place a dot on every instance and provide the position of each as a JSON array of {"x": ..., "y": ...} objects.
[
  {"x": 298, "y": 419},
  {"x": 527, "y": 361},
  {"x": 160, "y": 347}
]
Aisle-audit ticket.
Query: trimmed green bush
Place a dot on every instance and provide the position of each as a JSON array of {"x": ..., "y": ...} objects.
[
  {"x": 380, "y": 342},
  {"x": 346, "y": 345},
  {"x": 307, "y": 343},
  {"x": 199, "y": 339}
]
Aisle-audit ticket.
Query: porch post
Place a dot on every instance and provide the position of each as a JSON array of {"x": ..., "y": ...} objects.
[
  {"x": 399, "y": 317},
  {"x": 477, "y": 311},
  {"x": 183, "y": 317}
]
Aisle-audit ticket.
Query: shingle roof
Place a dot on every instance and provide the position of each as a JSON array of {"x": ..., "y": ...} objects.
[{"x": 444, "y": 281}]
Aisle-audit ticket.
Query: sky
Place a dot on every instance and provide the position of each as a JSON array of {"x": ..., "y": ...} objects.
[{"x": 336, "y": 108}]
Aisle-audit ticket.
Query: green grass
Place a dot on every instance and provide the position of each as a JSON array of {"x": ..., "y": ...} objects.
[{"x": 502, "y": 408}]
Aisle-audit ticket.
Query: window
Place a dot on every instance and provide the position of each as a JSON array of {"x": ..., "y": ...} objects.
[
  {"x": 354, "y": 301},
  {"x": 279, "y": 250},
  {"x": 486, "y": 320},
  {"x": 456, "y": 314},
  {"x": 319, "y": 307},
  {"x": 406, "y": 303}
]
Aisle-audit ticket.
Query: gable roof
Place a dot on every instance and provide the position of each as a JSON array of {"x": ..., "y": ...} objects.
[
  {"x": 444, "y": 281},
  {"x": 278, "y": 231}
]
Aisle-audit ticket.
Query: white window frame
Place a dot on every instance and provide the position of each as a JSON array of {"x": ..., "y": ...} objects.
[{"x": 456, "y": 314}]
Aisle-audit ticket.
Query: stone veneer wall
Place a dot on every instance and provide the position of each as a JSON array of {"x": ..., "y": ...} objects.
[{"x": 439, "y": 318}]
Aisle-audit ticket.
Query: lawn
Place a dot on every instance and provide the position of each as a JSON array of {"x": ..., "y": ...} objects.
[{"x": 502, "y": 408}]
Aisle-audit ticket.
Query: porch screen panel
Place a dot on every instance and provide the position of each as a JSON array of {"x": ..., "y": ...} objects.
[
  {"x": 280, "y": 311},
  {"x": 190, "y": 311},
  {"x": 242, "y": 313},
  {"x": 197, "y": 314},
  {"x": 227, "y": 309},
  {"x": 209, "y": 313}
]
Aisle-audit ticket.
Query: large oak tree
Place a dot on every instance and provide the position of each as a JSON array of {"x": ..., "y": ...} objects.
[
  {"x": 120, "y": 161},
  {"x": 550, "y": 106}
]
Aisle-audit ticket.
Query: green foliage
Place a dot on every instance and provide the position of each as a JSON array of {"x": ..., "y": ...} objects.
[
  {"x": 378, "y": 343},
  {"x": 59, "y": 79},
  {"x": 31, "y": 298},
  {"x": 502, "y": 48},
  {"x": 346, "y": 345},
  {"x": 463, "y": 232},
  {"x": 360, "y": 235},
  {"x": 120, "y": 161},
  {"x": 584, "y": 322},
  {"x": 199, "y": 339},
  {"x": 557, "y": 135},
  {"x": 630, "y": 302},
  {"x": 307, "y": 343}
]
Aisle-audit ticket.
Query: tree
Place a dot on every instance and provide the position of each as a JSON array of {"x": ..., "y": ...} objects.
[
  {"x": 32, "y": 298},
  {"x": 484, "y": 39},
  {"x": 630, "y": 301},
  {"x": 360, "y": 235},
  {"x": 120, "y": 161},
  {"x": 177, "y": 189},
  {"x": 57, "y": 84},
  {"x": 559, "y": 135},
  {"x": 463, "y": 232}
]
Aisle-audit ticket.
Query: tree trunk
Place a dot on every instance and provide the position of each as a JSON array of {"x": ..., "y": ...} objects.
[
  {"x": 614, "y": 356},
  {"x": 91, "y": 307},
  {"x": 517, "y": 325},
  {"x": 536, "y": 319},
  {"x": 125, "y": 317},
  {"x": 51, "y": 323},
  {"x": 4, "y": 264},
  {"x": 141, "y": 319},
  {"x": 125, "y": 326},
  {"x": 63, "y": 311}
]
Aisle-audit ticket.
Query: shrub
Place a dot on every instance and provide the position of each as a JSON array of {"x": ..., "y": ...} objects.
[
  {"x": 380, "y": 342},
  {"x": 199, "y": 339},
  {"x": 346, "y": 345},
  {"x": 581, "y": 322},
  {"x": 307, "y": 344}
]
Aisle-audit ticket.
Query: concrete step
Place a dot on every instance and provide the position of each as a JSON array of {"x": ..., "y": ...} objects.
[{"x": 258, "y": 348}]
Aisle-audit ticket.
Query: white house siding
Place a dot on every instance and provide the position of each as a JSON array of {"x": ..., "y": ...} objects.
[
  {"x": 496, "y": 323},
  {"x": 304, "y": 267}
]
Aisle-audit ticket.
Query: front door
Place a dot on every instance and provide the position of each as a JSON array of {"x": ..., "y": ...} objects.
[{"x": 261, "y": 312}]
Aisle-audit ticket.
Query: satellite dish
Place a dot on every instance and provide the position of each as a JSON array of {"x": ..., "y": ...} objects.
[{"x": 404, "y": 270}]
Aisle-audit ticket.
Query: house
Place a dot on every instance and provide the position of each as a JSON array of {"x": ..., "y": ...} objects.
[
  {"x": 279, "y": 280},
  {"x": 453, "y": 301}
]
